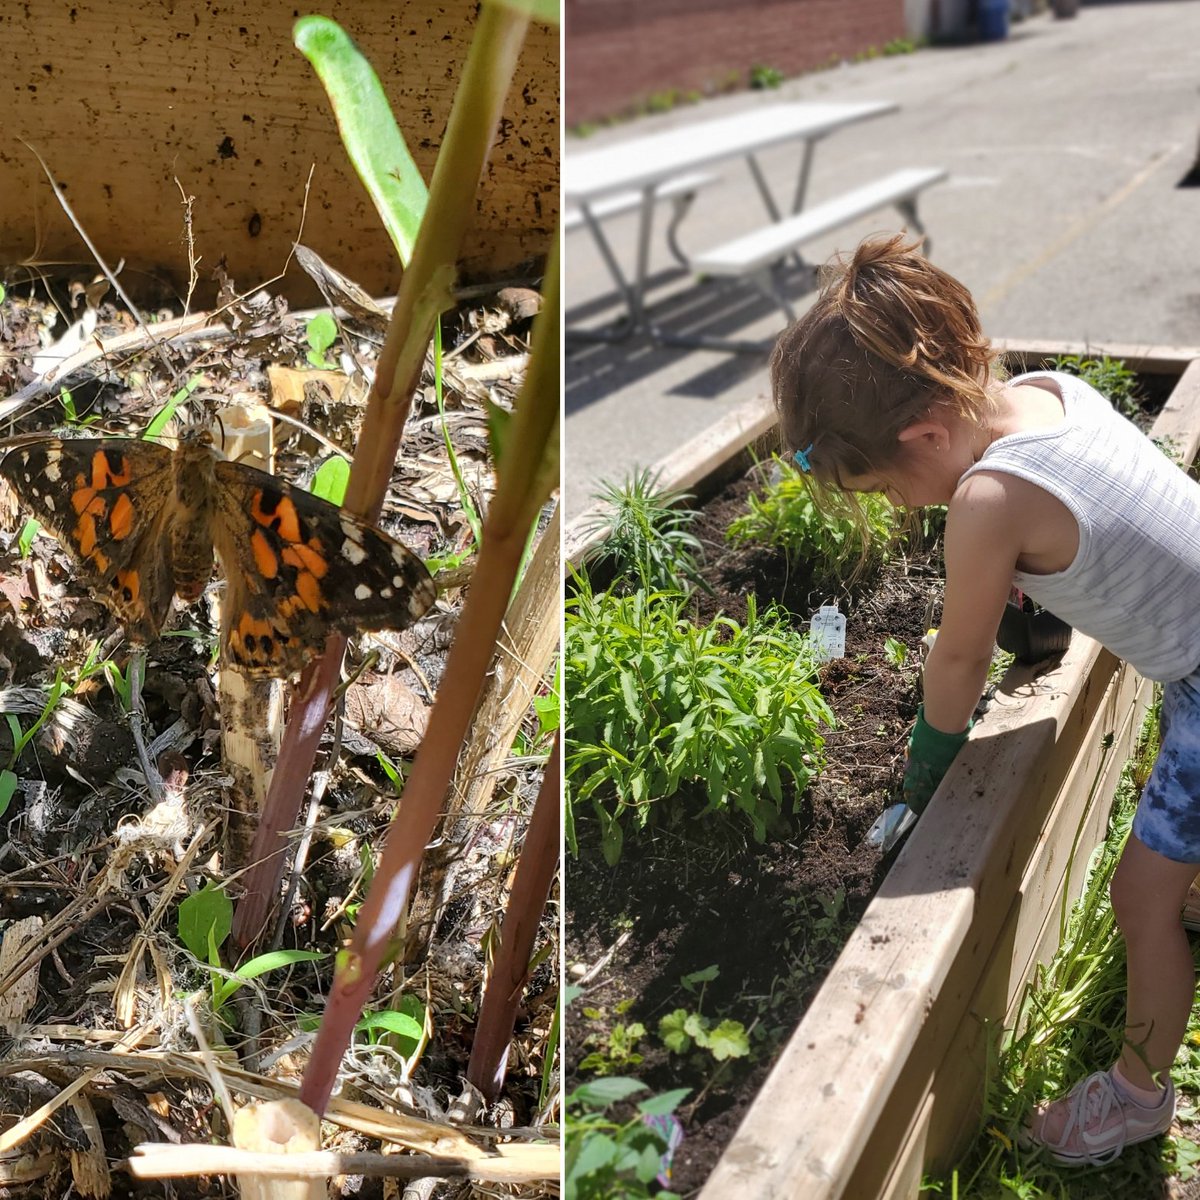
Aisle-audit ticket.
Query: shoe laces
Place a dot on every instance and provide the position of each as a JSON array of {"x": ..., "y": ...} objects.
[{"x": 1090, "y": 1109}]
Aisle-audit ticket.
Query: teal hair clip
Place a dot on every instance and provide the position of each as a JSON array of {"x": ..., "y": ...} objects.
[{"x": 801, "y": 457}]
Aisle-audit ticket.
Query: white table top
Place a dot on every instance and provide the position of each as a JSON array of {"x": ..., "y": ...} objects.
[{"x": 639, "y": 161}]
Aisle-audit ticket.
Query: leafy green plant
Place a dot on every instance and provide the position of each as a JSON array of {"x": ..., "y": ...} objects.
[
  {"x": 646, "y": 531},
  {"x": 205, "y": 919},
  {"x": 616, "y": 1051},
  {"x": 655, "y": 703},
  {"x": 895, "y": 651},
  {"x": 331, "y": 478},
  {"x": 610, "y": 1157},
  {"x": 685, "y": 1028},
  {"x": 785, "y": 515},
  {"x": 763, "y": 77},
  {"x": 1109, "y": 376}
]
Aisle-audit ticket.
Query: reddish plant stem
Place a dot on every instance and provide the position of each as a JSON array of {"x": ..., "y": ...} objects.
[
  {"x": 420, "y": 807},
  {"x": 526, "y": 903}
]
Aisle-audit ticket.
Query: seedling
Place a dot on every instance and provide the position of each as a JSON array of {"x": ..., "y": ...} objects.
[
  {"x": 896, "y": 652},
  {"x": 321, "y": 332}
]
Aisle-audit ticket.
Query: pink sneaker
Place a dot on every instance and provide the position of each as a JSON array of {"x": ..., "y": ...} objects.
[{"x": 1095, "y": 1121}]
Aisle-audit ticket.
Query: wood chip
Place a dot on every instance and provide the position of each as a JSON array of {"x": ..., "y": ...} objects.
[{"x": 16, "y": 1002}]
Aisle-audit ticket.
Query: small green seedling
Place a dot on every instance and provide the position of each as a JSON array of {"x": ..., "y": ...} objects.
[
  {"x": 321, "y": 332},
  {"x": 331, "y": 479},
  {"x": 25, "y": 539},
  {"x": 205, "y": 919},
  {"x": 896, "y": 652},
  {"x": 164, "y": 416}
]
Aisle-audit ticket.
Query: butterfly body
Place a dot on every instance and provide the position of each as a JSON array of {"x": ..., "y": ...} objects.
[{"x": 143, "y": 522}]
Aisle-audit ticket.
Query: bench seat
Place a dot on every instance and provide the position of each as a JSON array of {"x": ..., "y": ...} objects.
[
  {"x": 754, "y": 252},
  {"x": 679, "y": 187}
]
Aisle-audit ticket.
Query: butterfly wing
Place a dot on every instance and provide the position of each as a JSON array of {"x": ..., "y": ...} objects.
[
  {"x": 298, "y": 567},
  {"x": 108, "y": 501}
]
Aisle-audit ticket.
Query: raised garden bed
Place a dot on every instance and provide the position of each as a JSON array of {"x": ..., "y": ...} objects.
[{"x": 858, "y": 1103}]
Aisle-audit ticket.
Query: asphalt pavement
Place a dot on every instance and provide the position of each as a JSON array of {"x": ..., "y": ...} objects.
[{"x": 1066, "y": 143}]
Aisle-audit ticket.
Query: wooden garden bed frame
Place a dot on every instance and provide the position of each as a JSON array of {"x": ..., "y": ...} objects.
[{"x": 883, "y": 1078}]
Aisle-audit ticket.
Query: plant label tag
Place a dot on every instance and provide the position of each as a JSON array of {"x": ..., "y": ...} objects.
[{"x": 828, "y": 632}]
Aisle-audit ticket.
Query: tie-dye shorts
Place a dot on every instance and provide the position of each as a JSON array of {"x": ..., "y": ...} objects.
[{"x": 1168, "y": 815}]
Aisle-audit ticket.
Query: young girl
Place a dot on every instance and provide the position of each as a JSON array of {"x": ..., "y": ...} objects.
[{"x": 886, "y": 385}]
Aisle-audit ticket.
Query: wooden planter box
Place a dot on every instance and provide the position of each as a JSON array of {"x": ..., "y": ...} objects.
[
  {"x": 123, "y": 100},
  {"x": 883, "y": 1078}
]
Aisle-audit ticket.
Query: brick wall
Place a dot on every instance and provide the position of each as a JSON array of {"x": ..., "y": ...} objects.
[{"x": 620, "y": 52}]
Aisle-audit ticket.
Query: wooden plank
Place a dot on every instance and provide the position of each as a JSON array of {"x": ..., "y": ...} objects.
[
  {"x": 904, "y": 1183},
  {"x": 1030, "y": 933},
  {"x": 890, "y": 1007},
  {"x": 1148, "y": 358}
]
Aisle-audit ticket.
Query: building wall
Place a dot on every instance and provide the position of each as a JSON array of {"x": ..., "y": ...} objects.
[{"x": 621, "y": 52}]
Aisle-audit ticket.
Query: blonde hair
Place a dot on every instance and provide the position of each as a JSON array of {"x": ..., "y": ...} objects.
[{"x": 890, "y": 339}]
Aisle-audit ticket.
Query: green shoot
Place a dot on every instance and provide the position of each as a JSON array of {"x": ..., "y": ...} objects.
[
  {"x": 331, "y": 478},
  {"x": 22, "y": 739},
  {"x": 25, "y": 539},
  {"x": 163, "y": 417},
  {"x": 895, "y": 651},
  {"x": 322, "y": 332},
  {"x": 259, "y": 965},
  {"x": 8, "y": 787},
  {"x": 121, "y": 683}
]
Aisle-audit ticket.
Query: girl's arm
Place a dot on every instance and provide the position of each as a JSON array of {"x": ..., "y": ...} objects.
[{"x": 983, "y": 542}]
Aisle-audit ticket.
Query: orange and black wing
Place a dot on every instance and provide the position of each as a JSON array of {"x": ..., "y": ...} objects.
[
  {"x": 108, "y": 501},
  {"x": 298, "y": 567}
]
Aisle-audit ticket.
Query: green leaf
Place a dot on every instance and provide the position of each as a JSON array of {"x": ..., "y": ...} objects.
[
  {"x": 28, "y": 532},
  {"x": 728, "y": 1040},
  {"x": 259, "y": 965},
  {"x": 373, "y": 142},
  {"x": 162, "y": 418},
  {"x": 404, "y": 1025},
  {"x": 662, "y": 1105},
  {"x": 321, "y": 332},
  {"x": 331, "y": 478},
  {"x": 707, "y": 975},
  {"x": 673, "y": 1029},
  {"x": 207, "y": 910},
  {"x": 8, "y": 786},
  {"x": 600, "y": 1093}
]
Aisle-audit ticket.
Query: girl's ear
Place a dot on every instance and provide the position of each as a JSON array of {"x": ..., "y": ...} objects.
[{"x": 933, "y": 433}]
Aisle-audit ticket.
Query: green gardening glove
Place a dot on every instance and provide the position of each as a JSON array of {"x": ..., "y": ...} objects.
[{"x": 930, "y": 753}]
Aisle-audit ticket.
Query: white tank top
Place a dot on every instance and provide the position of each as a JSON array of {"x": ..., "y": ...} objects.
[{"x": 1134, "y": 584}]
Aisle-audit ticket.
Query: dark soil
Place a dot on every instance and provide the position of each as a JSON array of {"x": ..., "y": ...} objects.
[{"x": 686, "y": 897}]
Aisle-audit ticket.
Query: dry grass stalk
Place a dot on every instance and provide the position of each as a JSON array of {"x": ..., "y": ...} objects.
[{"x": 21, "y": 997}]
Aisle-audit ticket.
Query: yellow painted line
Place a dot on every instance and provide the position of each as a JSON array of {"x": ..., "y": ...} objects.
[{"x": 1076, "y": 229}]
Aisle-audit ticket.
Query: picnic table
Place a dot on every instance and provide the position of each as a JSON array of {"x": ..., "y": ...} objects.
[{"x": 639, "y": 173}]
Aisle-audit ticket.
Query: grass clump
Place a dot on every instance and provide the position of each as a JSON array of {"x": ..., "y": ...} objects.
[
  {"x": 657, "y": 704},
  {"x": 785, "y": 515},
  {"x": 647, "y": 535}
]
